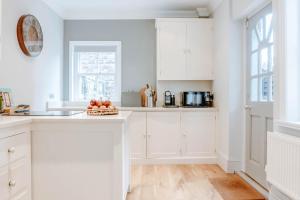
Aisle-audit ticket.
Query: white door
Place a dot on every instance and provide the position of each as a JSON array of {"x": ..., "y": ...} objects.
[
  {"x": 260, "y": 92},
  {"x": 171, "y": 50},
  {"x": 137, "y": 131},
  {"x": 199, "y": 50},
  {"x": 163, "y": 131},
  {"x": 198, "y": 133}
]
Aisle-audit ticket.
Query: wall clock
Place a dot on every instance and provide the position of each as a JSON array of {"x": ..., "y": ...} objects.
[{"x": 30, "y": 35}]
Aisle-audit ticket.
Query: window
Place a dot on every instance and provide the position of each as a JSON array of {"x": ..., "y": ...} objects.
[
  {"x": 95, "y": 71},
  {"x": 261, "y": 59}
]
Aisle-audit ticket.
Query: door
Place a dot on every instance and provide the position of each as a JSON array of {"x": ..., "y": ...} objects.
[
  {"x": 199, "y": 50},
  {"x": 171, "y": 50},
  {"x": 163, "y": 131},
  {"x": 137, "y": 131},
  {"x": 259, "y": 114},
  {"x": 198, "y": 133}
]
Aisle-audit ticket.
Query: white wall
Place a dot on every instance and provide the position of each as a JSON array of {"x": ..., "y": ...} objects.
[
  {"x": 242, "y": 8},
  {"x": 32, "y": 80},
  {"x": 228, "y": 86}
]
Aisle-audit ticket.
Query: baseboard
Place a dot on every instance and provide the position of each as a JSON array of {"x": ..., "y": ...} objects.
[
  {"x": 175, "y": 161},
  {"x": 254, "y": 184},
  {"x": 276, "y": 194},
  {"x": 229, "y": 166}
]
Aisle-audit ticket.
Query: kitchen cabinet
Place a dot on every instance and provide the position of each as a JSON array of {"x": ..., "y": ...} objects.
[
  {"x": 172, "y": 136},
  {"x": 137, "y": 131},
  {"x": 163, "y": 134},
  {"x": 198, "y": 131},
  {"x": 184, "y": 49},
  {"x": 15, "y": 165}
]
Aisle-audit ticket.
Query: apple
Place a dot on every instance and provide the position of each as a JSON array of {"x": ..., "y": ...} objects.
[
  {"x": 107, "y": 103},
  {"x": 98, "y": 103},
  {"x": 93, "y": 102},
  {"x": 90, "y": 107}
]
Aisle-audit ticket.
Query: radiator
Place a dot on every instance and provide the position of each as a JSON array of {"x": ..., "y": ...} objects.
[{"x": 283, "y": 164}]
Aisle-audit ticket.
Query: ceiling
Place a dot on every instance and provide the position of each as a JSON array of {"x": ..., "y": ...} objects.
[{"x": 126, "y": 9}]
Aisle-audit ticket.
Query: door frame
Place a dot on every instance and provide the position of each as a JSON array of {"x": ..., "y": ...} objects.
[{"x": 245, "y": 76}]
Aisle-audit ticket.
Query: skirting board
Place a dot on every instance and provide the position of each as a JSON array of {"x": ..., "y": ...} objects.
[
  {"x": 227, "y": 165},
  {"x": 175, "y": 161},
  {"x": 275, "y": 194},
  {"x": 255, "y": 185}
]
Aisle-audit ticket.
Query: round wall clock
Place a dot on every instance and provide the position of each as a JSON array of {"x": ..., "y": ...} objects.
[{"x": 30, "y": 35}]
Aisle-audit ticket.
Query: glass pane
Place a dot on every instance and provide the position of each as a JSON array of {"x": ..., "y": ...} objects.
[
  {"x": 271, "y": 39},
  {"x": 108, "y": 85},
  {"x": 260, "y": 29},
  {"x": 254, "y": 88},
  {"x": 254, "y": 41},
  {"x": 107, "y": 62},
  {"x": 88, "y": 87},
  {"x": 272, "y": 58},
  {"x": 272, "y": 89},
  {"x": 88, "y": 62},
  {"x": 265, "y": 88},
  {"x": 254, "y": 64},
  {"x": 268, "y": 25},
  {"x": 264, "y": 60}
]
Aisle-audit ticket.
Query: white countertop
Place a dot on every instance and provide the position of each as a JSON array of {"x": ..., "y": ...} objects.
[
  {"x": 8, "y": 121},
  {"x": 138, "y": 109}
]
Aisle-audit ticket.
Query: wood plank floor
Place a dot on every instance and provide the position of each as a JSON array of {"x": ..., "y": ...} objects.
[{"x": 188, "y": 182}]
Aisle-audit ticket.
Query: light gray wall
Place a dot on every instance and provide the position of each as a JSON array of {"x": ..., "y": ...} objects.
[{"x": 138, "y": 39}]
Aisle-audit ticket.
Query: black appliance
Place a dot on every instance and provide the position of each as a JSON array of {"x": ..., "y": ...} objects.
[
  {"x": 197, "y": 99},
  {"x": 169, "y": 99},
  {"x": 47, "y": 113}
]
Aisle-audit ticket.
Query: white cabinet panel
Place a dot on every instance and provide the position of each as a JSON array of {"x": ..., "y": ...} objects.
[
  {"x": 3, "y": 152},
  {"x": 4, "y": 188},
  {"x": 198, "y": 131},
  {"x": 18, "y": 146},
  {"x": 137, "y": 130},
  {"x": 22, "y": 196},
  {"x": 163, "y": 134},
  {"x": 199, "y": 53},
  {"x": 171, "y": 50},
  {"x": 184, "y": 49}
]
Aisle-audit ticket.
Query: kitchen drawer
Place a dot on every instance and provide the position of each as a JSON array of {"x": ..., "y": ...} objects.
[
  {"x": 18, "y": 177},
  {"x": 4, "y": 188},
  {"x": 18, "y": 146}
]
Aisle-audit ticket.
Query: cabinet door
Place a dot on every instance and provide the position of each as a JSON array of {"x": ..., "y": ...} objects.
[
  {"x": 171, "y": 48},
  {"x": 22, "y": 196},
  {"x": 198, "y": 131},
  {"x": 199, "y": 50},
  {"x": 4, "y": 180},
  {"x": 163, "y": 131},
  {"x": 137, "y": 132}
]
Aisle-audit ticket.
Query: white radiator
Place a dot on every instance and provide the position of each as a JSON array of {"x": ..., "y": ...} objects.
[{"x": 283, "y": 165}]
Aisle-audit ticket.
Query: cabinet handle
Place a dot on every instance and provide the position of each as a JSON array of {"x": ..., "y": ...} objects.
[
  {"x": 12, "y": 150},
  {"x": 12, "y": 183}
]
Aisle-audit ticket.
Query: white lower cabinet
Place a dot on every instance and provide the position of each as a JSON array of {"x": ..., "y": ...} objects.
[
  {"x": 138, "y": 130},
  {"x": 15, "y": 166},
  {"x": 198, "y": 130},
  {"x": 172, "y": 135},
  {"x": 163, "y": 131}
]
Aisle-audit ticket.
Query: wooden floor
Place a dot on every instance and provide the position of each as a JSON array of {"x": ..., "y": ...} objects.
[{"x": 188, "y": 182}]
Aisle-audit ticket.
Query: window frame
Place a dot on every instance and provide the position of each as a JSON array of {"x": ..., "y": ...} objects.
[{"x": 73, "y": 81}]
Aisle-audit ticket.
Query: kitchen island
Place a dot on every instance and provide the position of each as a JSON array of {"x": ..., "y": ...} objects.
[{"x": 78, "y": 157}]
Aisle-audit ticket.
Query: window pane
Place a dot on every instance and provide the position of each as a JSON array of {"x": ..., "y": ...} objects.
[
  {"x": 265, "y": 88},
  {"x": 254, "y": 88},
  {"x": 268, "y": 25},
  {"x": 272, "y": 89},
  {"x": 254, "y": 41},
  {"x": 260, "y": 29},
  {"x": 272, "y": 58},
  {"x": 254, "y": 64},
  {"x": 264, "y": 60},
  {"x": 88, "y": 62},
  {"x": 107, "y": 62},
  {"x": 88, "y": 87}
]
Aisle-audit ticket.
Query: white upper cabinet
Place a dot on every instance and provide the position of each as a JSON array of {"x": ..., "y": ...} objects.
[{"x": 184, "y": 49}]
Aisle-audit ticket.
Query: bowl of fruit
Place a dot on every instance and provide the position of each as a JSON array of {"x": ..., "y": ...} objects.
[{"x": 98, "y": 108}]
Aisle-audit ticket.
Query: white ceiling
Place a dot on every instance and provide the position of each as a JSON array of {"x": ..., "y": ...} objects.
[{"x": 126, "y": 9}]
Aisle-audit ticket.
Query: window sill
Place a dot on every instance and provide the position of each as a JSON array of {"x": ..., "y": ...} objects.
[{"x": 290, "y": 128}]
